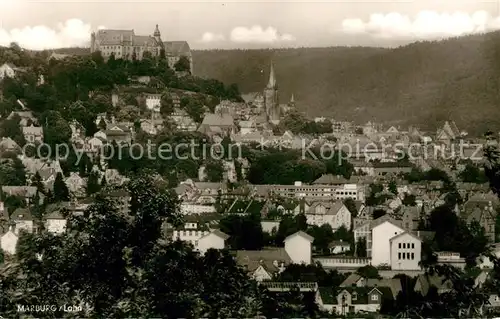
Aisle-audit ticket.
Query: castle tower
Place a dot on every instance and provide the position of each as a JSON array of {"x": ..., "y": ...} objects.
[
  {"x": 92, "y": 42},
  {"x": 271, "y": 98},
  {"x": 157, "y": 34}
]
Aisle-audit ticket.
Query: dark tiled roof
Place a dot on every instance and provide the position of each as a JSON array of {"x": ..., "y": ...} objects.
[
  {"x": 177, "y": 47},
  {"x": 21, "y": 214},
  {"x": 252, "y": 259}
]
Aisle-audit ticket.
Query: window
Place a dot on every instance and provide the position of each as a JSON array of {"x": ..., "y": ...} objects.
[
  {"x": 399, "y": 246},
  {"x": 403, "y": 256},
  {"x": 374, "y": 297},
  {"x": 404, "y": 245},
  {"x": 399, "y": 255},
  {"x": 412, "y": 256},
  {"x": 407, "y": 255},
  {"x": 412, "y": 245}
]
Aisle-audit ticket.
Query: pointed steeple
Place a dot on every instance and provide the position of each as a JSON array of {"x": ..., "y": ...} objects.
[
  {"x": 272, "y": 78},
  {"x": 157, "y": 32},
  {"x": 292, "y": 99}
]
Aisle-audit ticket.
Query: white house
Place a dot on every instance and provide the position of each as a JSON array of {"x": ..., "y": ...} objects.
[
  {"x": 335, "y": 214},
  {"x": 406, "y": 251},
  {"x": 7, "y": 70},
  {"x": 56, "y": 223},
  {"x": 338, "y": 247},
  {"x": 202, "y": 240},
  {"x": 298, "y": 247},
  {"x": 33, "y": 134},
  {"x": 23, "y": 220},
  {"x": 153, "y": 102},
  {"x": 381, "y": 246},
  {"x": 8, "y": 242},
  {"x": 215, "y": 239}
]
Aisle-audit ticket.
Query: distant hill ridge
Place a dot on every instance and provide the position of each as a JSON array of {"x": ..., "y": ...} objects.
[{"x": 422, "y": 83}]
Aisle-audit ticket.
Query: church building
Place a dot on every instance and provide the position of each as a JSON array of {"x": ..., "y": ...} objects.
[{"x": 271, "y": 100}]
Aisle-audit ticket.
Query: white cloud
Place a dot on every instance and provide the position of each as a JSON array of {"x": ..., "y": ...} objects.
[
  {"x": 425, "y": 25},
  {"x": 208, "y": 37},
  {"x": 71, "y": 33},
  {"x": 257, "y": 34}
]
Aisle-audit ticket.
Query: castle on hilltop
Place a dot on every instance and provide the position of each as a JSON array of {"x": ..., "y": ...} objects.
[{"x": 125, "y": 44}]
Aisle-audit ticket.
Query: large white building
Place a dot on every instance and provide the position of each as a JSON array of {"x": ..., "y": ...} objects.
[
  {"x": 202, "y": 240},
  {"x": 193, "y": 208},
  {"x": 393, "y": 246},
  {"x": 406, "y": 252},
  {"x": 381, "y": 245},
  {"x": 320, "y": 192},
  {"x": 298, "y": 247}
]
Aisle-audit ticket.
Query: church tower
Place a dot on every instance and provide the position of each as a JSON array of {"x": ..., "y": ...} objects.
[
  {"x": 157, "y": 34},
  {"x": 271, "y": 98}
]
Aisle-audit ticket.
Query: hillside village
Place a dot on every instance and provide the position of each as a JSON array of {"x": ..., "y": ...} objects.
[{"x": 373, "y": 219}]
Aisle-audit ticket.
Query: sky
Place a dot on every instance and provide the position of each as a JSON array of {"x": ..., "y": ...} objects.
[{"x": 37, "y": 24}]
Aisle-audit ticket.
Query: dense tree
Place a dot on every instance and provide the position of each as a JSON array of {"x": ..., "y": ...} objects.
[
  {"x": 361, "y": 247},
  {"x": 61, "y": 192},
  {"x": 453, "y": 234},
  {"x": 369, "y": 272},
  {"x": 214, "y": 171},
  {"x": 393, "y": 187},
  {"x": 409, "y": 200},
  {"x": 114, "y": 266},
  {"x": 183, "y": 64},
  {"x": 350, "y": 204},
  {"x": 472, "y": 174},
  {"x": 11, "y": 128},
  {"x": 93, "y": 185},
  {"x": 245, "y": 231},
  {"x": 12, "y": 172}
]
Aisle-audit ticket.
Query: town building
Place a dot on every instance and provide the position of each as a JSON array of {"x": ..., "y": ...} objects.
[{"x": 33, "y": 134}]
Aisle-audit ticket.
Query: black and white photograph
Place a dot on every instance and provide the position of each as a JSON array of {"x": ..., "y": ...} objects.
[{"x": 250, "y": 159}]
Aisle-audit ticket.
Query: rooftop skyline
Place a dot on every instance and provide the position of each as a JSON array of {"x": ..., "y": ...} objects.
[{"x": 235, "y": 24}]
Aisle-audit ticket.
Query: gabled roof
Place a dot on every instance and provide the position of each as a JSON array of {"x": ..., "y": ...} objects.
[
  {"x": 21, "y": 214},
  {"x": 218, "y": 233},
  {"x": 301, "y": 234},
  {"x": 253, "y": 259},
  {"x": 55, "y": 215},
  {"x": 218, "y": 120},
  {"x": 177, "y": 47},
  {"x": 405, "y": 234}
]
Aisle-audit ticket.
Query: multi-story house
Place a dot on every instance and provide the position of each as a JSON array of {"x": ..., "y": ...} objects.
[
  {"x": 202, "y": 240},
  {"x": 319, "y": 192},
  {"x": 405, "y": 252},
  {"x": 33, "y": 134},
  {"x": 335, "y": 214}
]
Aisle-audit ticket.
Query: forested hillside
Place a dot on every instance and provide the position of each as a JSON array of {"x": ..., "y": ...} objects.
[{"x": 424, "y": 82}]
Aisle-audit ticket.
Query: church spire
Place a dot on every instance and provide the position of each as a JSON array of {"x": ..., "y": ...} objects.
[
  {"x": 292, "y": 99},
  {"x": 157, "y": 34},
  {"x": 272, "y": 78}
]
